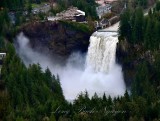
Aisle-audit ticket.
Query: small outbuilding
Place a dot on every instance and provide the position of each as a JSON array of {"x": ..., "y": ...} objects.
[
  {"x": 2, "y": 55},
  {"x": 72, "y": 14}
]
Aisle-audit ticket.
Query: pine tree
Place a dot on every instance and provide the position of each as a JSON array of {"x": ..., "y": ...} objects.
[
  {"x": 138, "y": 26},
  {"x": 104, "y": 97},
  {"x": 148, "y": 35},
  {"x": 29, "y": 7},
  {"x": 52, "y": 117},
  {"x": 126, "y": 96},
  {"x": 157, "y": 33},
  {"x": 125, "y": 26},
  {"x": 157, "y": 6}
]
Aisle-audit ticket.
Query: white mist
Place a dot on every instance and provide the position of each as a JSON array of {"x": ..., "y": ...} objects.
[{"x": 97, "y": 72}]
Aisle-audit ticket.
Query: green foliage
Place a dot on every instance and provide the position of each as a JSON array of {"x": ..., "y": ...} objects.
[
  {"x": 138, "y": 25},
  {"x": 30, "y": 89},
  {"x": 121, "y": 108},
  {"x": 131, "y": 25},
  {"x": 144, "y": 36},
  {"x": 141, "y": 81},
  {"x": 125, "y": 26},
  {"x": 137, "y": 29},
  {"x": 4, "y": 101},
  {"x": 33, "y": 94},
  {"x": 89, "y": 6},
  {"x": 4, "y": 21},
  {"x": 78, "y": 26},
  {"x": 142, "y": 3},
  {"x": 156, "y": 69},
  {"x": 2, "y": 44},
  {"x": 158, "y": 6},
  {"x": 29, "y": 7},
  {"x": 14, "y": 5}
]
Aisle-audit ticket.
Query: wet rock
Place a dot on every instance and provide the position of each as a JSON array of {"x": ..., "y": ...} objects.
[{"x": 56, "y": 38}]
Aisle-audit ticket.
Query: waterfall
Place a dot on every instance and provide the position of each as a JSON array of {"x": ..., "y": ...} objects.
[
  {"x": 78, "y": 75},
  {"x": 102, "y": 51}
]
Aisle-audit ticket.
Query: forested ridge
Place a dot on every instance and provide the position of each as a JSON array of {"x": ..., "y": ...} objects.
[
  {"x": 28, "y": 5},
  {"x": 140, "y": 29},
  {"x": 90, "y": 6},
  {"x": 31, "y": 94}
]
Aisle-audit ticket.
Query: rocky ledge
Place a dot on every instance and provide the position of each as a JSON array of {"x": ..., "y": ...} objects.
[{"x": 57, "y": 37}]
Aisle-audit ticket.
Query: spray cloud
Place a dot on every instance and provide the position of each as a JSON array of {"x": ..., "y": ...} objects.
[{"x": 76, "y": 76}]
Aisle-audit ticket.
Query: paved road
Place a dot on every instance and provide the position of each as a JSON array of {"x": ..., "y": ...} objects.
[
  {"x": 116, "y": 25},
  {"x": 112, "y": 28}
]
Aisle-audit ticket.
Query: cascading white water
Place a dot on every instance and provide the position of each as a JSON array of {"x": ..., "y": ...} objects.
[{"x": 102, "y": 51}]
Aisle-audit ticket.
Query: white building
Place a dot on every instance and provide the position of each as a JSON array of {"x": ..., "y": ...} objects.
[
  {"x": 72, "y": 13},
  {"x": 2, "y": 55}
]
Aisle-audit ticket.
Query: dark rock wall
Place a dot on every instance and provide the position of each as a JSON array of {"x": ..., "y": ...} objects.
[
  {"x": 56, "y": 38},
  {"x": 130, "y": 56}
]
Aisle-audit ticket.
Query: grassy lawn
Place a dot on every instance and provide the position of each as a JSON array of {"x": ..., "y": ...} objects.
[{"x": 35, "y": 5}]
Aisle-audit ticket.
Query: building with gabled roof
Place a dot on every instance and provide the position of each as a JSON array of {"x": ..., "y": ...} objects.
[
  {"x": 101, "y": 10},
  {"x": 72, "y": 13}
]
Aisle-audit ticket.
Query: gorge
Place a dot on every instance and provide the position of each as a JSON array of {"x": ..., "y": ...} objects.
[{"x": 95, "y": 71}]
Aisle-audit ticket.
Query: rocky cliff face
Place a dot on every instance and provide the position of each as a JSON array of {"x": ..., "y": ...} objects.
[
  {"x": 56, "y": 38},
  {"x": 62, "y": 40},
  {"x": 130, "y": 56}
]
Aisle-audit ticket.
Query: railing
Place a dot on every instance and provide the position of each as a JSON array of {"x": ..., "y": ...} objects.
[{"x": 106, "y": 31}]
